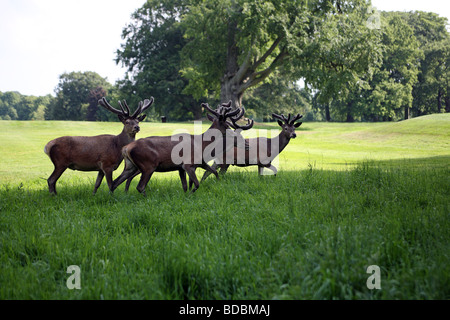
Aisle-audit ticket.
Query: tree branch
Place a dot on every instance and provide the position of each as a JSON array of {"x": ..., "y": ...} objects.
[
  {"x": 258, "y": 77},
  {"x": 243, "y": 68},
  {"x": 268, "y": 53}
]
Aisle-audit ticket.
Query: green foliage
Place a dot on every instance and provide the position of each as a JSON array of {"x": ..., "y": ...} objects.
[
  {"x": 151, "y": 52},
  {"x": 74, "y": 95},
  {"x": 15, "y": 106},
  {"x": 279, "y": 96},
  {"x": 389, "y": 90},
  {"x": 432, "y": 91},
  {"x": 236, "y": 45},
  {"x": 360, "y": 64},
  {"x": 342, "y": 55}
]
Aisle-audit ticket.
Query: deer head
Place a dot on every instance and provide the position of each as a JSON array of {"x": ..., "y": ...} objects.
[
  {"x": 288, "y": 125},
  {"x": 130, "y": 122}
]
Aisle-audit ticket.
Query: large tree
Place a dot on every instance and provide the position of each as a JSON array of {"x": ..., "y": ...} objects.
[
  {"x": 236, "y": 44},
  {"x": 389, "y": 92},
  {"x": 151, "y": 53},
  {"x": 432, "y": 90},
  {"x": 342, "y": 57}
]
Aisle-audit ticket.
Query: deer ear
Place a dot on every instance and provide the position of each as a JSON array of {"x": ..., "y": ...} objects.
[
  {"x": 280, "y": 123},
  {"x": 298, "y": 124},
  {"x": 121, "y": 118},
  {"x": 141, "y": 118}
]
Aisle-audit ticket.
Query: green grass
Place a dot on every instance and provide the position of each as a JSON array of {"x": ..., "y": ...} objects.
[{"x": 347, "y": 196}]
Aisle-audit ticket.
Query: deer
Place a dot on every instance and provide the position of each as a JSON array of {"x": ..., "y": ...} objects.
[
  {"x": 259, "y": 150},
  {"x": 156, "y": 153},
  {"x": 102, "y": 153}
]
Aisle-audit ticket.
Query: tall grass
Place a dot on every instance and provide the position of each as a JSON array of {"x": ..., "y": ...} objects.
[{"x": 306, "y": 234}]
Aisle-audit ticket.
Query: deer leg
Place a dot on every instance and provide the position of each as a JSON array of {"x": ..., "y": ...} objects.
[
  {"x": 208, "y": 172},
  {"x": 191, "y": 182},
  {"x": 145, "y": 177},
  {"x": 127, "y": 185},
  {"x": 129, "y": 172},
  {"x": 51, "y": 181},
  {"x": 210, "y": 169},
  {"x": 223, "y": 168},
  {"x": 98, "y": 181},
  {"x": 183, "y": 179},
  {"x": 273, "y": 169},
  {"x": 192, "y": 177},
  {"x": 260, "y": 170},
  {"x": 109, "y": 179}
]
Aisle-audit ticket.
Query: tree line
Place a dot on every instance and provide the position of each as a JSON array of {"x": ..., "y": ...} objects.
[{"x": 331, "y": 60}]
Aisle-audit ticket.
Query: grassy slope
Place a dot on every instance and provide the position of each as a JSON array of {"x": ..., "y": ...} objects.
[{"x": 310, "y": 232}]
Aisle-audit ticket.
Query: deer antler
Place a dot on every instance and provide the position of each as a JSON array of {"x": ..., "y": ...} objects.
[
  {"x": 126, "y": 110},
  {"x": 297, "y": 117},
  {"x": 109, "y": 107},
  {"x": 287, "y": 120},
  {"x": 282, "y": 117},
  {"x": 226, "y": 110},
  {"x": 214, "y": 112},
  {"x": 235, "y": 126},
  {"x": 142, "y": 107}
]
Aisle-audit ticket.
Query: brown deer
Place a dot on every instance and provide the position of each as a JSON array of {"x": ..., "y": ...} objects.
[
  {"x": 151, "y": 154},
  {"x": 98, "y": 153},
  {"x": 260, "y": 149}
]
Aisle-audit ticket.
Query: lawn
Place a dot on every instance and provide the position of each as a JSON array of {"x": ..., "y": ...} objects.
[{"x": 347, "y": 196}]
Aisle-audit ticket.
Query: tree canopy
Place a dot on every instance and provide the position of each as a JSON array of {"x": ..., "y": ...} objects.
[
  {"x": 355, "y": 63},
  {"x": 76, "y": 97}
]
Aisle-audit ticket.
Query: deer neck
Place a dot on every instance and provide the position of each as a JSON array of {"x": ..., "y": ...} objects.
[
  {"x": 283, "y": 141},
  {"x": 125, "y": 138}
]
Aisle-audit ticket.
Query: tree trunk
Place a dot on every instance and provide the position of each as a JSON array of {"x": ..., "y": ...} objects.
[
  {"x": 349, "y": 112},
  {"x": 407, "y": 115},
  {"x": 327, "y": 112},
  {"x": 229, "y": 92},
  {"x": 238, "y": 78},
  {"x": 439, "y": 100},
  {"x": 197, "y": 111},
  {"x": 447, "y": 103}
]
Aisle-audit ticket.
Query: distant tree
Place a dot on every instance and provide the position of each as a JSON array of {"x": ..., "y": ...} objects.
[
  {"x": 72, "y": 95},
  {"x": 15, "y": 106},
  {"x": 432, "y": 90},
  {"x": 341, "y": 59},
  {"x": 7, "y": 105},
  {"x": 389, "y": 95}
]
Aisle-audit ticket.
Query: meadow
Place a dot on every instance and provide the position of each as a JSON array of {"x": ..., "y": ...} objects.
[{"x": 346, "y": 196}]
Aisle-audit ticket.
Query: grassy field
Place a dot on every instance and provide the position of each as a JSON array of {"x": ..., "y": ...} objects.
[{"x": 347, "y": 196}]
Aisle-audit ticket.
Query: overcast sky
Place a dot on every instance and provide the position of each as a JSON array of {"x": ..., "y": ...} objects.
[{"x": 41, "y": 39}]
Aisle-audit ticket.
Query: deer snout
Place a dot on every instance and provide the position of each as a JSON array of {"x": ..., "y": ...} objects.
[
  {"x": 136, "y": 128},
  {"x": 293, "y": 135}
]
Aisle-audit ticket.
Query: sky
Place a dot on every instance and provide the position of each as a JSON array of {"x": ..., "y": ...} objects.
[{"x": 42, "y": 39}]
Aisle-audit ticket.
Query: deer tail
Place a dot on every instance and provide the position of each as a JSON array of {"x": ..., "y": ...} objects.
[
  {"x": 48, "y": 147},
  {"x": 126, "y": 155}
]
